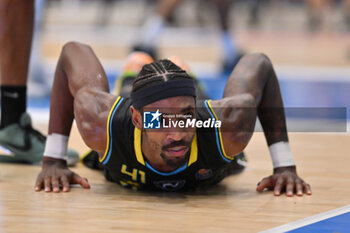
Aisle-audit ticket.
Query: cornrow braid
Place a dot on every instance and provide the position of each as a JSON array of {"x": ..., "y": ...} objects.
[{"x": 158, "y": 72}]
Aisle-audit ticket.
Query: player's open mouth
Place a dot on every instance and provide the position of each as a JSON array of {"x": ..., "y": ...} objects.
[{"x": 177, "y": 151}]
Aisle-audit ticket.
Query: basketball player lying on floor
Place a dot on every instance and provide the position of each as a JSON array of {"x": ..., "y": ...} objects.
[{"x": 136, "y": 138}]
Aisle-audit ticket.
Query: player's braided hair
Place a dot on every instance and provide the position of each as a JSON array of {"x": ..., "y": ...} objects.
[{"x": 158, "y": 72}]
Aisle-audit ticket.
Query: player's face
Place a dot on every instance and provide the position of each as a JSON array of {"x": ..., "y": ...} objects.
[{"x": 171, "y": 144}]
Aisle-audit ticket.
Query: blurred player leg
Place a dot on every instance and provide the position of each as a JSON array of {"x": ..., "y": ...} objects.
[
  {"x": 104, "y": 12},
  {"x": 39, "y": 85},
  {"x": 254, "y": 12},
  {"x": 347, "y": 14},
  {"x": 16, "y": 25},
  {"x": 153, "y": 25},
  {"x": 230, "y": 55},
  {"x": 17, "y": 137},
  {"x": 316, "y": 10}
]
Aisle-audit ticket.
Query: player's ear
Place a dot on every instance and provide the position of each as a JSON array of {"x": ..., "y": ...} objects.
[{"x": 136, "y": 117}]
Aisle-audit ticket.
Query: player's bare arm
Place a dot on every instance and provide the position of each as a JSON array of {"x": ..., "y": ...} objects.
[
  {"x": 253, "y": 90},
  {"x": 80, "y": 91}
]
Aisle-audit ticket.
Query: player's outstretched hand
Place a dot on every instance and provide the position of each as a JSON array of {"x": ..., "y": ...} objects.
[
  {"x": 55, "y": 174},
  {"x": 285, "y": 178}
]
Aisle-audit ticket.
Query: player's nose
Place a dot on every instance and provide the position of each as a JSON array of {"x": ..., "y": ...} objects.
[{"x": 175, "y": 135}]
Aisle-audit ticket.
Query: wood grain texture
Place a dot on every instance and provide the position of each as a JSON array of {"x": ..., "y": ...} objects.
[{"x": 233, "y": 206}]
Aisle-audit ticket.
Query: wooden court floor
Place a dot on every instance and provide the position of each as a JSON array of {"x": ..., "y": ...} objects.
[{"x": 233, "y": 206}]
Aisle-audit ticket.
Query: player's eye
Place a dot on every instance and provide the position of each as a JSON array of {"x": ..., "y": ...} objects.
[{"x": 189, "y": 115}]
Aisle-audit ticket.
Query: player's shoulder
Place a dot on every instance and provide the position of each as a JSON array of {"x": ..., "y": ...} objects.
[
  {"x": 121, "y": 106},
  {"x": 119, "y": 118}
]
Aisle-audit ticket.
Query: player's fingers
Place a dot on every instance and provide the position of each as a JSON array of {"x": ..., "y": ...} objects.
[
  {"x": 47, "y": 184},
  {"x": 307, "y": 188},
  {"x": 278, "y": 186},
  {"x": 299, "y": 187},
  {"x": 65, "y": 183},
  {"x": 38, "y": 183},
  {"x": 290, "y": 187},
  {"x": 264, "y": 183},
  {"x": 76, "y": 179},
  {"x": 55, "y": 184}
]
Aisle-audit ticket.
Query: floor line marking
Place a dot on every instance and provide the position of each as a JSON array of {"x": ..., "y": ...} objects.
[{"x": 309, "y": 220}]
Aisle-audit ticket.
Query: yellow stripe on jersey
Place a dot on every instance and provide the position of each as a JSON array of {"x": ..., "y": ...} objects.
[
  {"x": 109, "y": 130},
  {"x": 219, "y": 132},
  {"x": 137, "y": 146}
]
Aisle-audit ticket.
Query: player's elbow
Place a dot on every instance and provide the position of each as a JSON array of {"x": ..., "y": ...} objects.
[
  {"x": 73, "y": 45},
  {"x": 263, "y": 61},
  {"x": 72, "y": 50}
]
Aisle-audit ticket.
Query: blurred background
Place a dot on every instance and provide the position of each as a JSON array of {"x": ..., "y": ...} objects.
[{"x": 308, "y": 42}]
